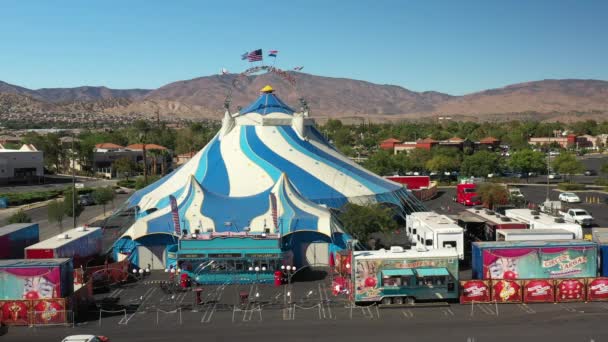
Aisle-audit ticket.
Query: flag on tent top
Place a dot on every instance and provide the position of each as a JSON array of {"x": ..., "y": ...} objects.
[
  {"x": 255, "y": 55},
  {"x": 298, "y": 68},
  {"x": 244, "y": 56},
  {"x": 273, "y": 53}
]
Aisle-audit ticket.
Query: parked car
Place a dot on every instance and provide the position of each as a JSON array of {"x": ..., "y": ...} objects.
[
  {"x": 554, "y": 153},
  {"x": 86, "y": 200},
  {"x": 515, "y": 194},
  {"x": 85, "y": 338},
  {"x": 569, "y": 197},
  {"x": 555, "y": 176},
  {"x": 590, "y": 173}
]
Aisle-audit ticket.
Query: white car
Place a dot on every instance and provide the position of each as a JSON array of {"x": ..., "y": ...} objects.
[
  {"x": 85, "y": 338},
  {"x": 569, "y": 197},
  {"x": 555, "y": 176}
]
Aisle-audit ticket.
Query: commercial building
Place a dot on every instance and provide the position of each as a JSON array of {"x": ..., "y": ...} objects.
[{"x": 25, "y": 165}]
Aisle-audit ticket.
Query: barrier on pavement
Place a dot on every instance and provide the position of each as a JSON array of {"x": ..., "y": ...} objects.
[
  {"x": 539, "y": 291},
  {"x": 597, "y": 289},
  {"x": 35, "y": 312},
  {"x": 570, "y": 290},
  {"x": 474, "y": 291},
  {"x": 507, "y": 291}
]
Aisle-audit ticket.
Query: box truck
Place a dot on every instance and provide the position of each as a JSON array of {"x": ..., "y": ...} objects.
[
  {"x": 80, "y": 244},
  {"x": 491, "y": 222},
  {"x": 14, "y": 238}
]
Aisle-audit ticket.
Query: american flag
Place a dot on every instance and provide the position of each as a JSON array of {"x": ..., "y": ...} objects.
[
  {"x": 273, "y": 204},
  {"x": 298, "y": 68},
  {"x": 255, "y": 55},
  {"x": 175, "y": 215}
]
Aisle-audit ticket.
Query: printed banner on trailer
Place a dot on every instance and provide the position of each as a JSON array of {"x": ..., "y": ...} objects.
[
  {"x": 507, "y": 291},
  {"x": 539, "y": 263},
  {"x": 597, "y": 289}
]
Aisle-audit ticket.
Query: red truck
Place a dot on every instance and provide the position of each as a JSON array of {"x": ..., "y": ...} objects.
[{"x": 466, "y": 194}]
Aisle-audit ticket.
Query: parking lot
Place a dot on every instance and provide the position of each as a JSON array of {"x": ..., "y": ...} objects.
[
  {"x": 314, "y": 314},
  {"x": 533, "y": 193}
]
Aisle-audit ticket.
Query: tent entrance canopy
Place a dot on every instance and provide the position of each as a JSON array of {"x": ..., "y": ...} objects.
[
  {"x": 403, "y": 272},
  {"x": 432, "y": 272}
]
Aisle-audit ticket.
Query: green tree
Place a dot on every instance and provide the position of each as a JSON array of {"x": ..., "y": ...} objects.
[
  {"x": 526, "y": 161},
  {"x": 141, "y": 182},
  {"x": 124, "y": 166},
  {"x": 19, "y": 217},
  {"x": 567, "y": 164},
  {"x": 480, "y": 164},
  {"x": 363, "y": 220},
  {"x": 143, "y": 129},
  {"x": 418, "y": 159},
  {"x": 380, "y": 163},
  {"x": 56, "y": 213},
  {"x": 69, "y": 208},
  {"x": 442, "y": 164},
  {"x": 103, "y": 196},
  {"x": 492, "y": 194}
]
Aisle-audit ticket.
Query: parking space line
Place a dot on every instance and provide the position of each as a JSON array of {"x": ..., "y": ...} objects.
[
  {"x": 525, "y": 308},
  {"x": 407, "y": 313},
  {"x": 447, "y": 312}
]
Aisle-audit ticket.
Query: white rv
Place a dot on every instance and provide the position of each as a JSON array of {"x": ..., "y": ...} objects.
[
  {"x": 434, "y": 231},
  {"x": 539, "y": 220},
  {"x": 533, "y": 234}
]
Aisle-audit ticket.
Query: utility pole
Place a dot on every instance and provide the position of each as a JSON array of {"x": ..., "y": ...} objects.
[{"x": 73, "y": 182}]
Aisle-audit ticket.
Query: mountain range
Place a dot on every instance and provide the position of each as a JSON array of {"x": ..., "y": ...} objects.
[{"x": 327, "y": 97}]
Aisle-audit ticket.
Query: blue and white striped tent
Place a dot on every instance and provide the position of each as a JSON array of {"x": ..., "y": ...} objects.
[{"x": 265, "y": 150}]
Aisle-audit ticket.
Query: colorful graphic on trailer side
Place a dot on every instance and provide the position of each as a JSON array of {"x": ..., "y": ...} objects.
[{"x": 539, "y": 263}]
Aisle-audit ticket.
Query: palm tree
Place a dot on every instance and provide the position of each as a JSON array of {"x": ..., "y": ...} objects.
[{"x": 143, "y": 128}]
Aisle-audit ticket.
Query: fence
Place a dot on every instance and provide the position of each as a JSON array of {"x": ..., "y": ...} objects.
[{"x": 50, "y": 311}]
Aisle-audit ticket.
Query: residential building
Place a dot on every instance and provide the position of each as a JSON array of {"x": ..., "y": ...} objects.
[
  {"x": 454, "y": 142},
  {"x": 159, "y": 158}
]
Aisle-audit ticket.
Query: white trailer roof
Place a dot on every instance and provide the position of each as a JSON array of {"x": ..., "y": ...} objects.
[
  {"x": 60, "y": 240},
  {"x": 538, "y": 217},
  {"x": 407, "y": 254},
  {"x": 533, "y": 231},
  {"x": 434, "y": 221},
  {"x": 492, "y": 216}
]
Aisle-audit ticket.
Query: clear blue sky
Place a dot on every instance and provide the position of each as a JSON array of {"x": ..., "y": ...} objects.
[{"x": 450, "y": 46}]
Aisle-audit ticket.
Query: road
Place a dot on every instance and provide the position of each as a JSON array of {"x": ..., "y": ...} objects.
[
  {"x": 57, "y": 182},
  {"x": 47, "y": 229}
]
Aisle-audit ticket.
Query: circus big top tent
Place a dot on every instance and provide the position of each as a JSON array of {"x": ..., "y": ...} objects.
[{"x": 267, "y": 171}]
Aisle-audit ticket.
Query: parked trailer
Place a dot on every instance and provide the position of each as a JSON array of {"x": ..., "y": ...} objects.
[
  {"x": 539, "y": 220},
  {"x": 15, "y": 237},
  {"x": 533, "y": 234},
  {"x": 434, "y": 231},
  {"x": 79, "y": 243},
  {"x": 534, "y": 259},
  {"x": 492, "y": 221},
  {"x": 399, "y": 276},
  {"x": 36, "y": 279}
]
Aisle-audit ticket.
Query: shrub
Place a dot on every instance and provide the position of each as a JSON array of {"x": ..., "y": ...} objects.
[
  {"x": 571, "y": 186},
  {"x": 19, "y": 217},
  {"x": 21, "y": 198}
]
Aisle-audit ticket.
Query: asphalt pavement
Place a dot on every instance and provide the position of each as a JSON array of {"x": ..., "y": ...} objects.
[{"x": 314, "y": 314}]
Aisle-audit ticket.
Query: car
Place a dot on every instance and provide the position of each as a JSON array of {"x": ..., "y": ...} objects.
[
  {"x": 532, "y": 174},
  {"x": 554, "y": 153},
  {"x": 590, "y": 173},
  {"x": 555, "y": 176},
  {"x": 86, "y": 200},
  {"x": 86, "y": 338},
  {"x": 569, "y": 197},
  {"x": 121, "y": 191},
  {"x": 578, "y": 216},
  {"x": 516, "y": 194}
]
